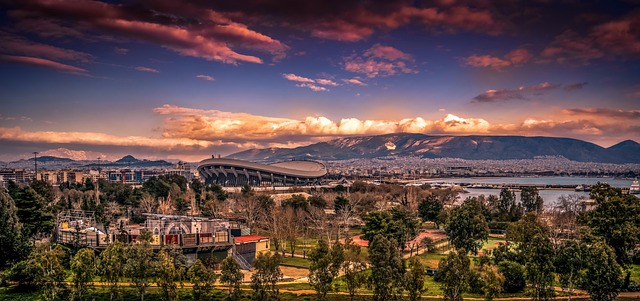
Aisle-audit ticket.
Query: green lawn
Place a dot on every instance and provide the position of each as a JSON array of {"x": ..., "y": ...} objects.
[{"x": 296, "y": 261}]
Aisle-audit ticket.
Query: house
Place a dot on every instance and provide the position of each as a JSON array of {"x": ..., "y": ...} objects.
[{"x": 250, "y": 246}]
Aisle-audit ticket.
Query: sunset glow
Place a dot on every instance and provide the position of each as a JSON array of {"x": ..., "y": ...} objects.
[{"x": 188, "y": 79}]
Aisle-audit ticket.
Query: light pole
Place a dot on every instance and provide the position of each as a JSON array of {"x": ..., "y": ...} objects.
[{"x": 35, "y": 162}]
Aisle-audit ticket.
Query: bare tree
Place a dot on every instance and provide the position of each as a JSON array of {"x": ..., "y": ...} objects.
[
  {"x": 165, "y": 206},
  {"x": 563, "y": 218},
  {"x": 147, "y": 203},
  {"x": 293, "y": 222}
]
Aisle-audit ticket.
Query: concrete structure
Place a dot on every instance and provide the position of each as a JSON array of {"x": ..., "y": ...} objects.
[{"x": 230, "y": 172}]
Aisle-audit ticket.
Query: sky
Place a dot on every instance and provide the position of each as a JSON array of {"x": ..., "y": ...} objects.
[{"x": 167, "y": 79}]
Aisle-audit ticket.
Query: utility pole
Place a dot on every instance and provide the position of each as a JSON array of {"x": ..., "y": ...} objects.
[
  {"x": 35, "y": 162},
  {"x": 97, "y": 185}
]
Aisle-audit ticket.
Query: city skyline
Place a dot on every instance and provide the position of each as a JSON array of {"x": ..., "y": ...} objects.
[{"x": 161, "y": 79}]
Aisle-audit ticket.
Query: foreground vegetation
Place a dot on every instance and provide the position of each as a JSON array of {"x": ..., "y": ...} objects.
[{"x": 539, "y": 249}]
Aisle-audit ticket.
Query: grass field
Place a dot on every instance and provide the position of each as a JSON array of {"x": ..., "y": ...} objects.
[{"x": 296, "y": 262}]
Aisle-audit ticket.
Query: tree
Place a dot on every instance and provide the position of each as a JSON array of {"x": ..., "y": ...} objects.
[
  {"x": 32, "y": 211},
  {"x": 44, "y": 266},
  {"x": 513, "y": 273},
  {"x": 524, "y": 230},
  {"x": 167, "y": 274},
  {"x": 454, "y": 272},
  {"x": 231, "y": 276},
  {"x": 12, "y": 245},
  {"x": 397, "y": 224},
  {"x": 531, "y": 199},
  {"x": 45, "y": 190},
  {"x": 601, "y": 192},
  {"x": 617, "y": 220},
  {"x": 341, "y": 203},
  {"x": 564, "y": 218},
  {"x": 429, "y": 210},
  {"x": 414, "y": 279},
  {"x": 202, "y": 279},
  {"x": 267, "y": 274},
  {"x": 467, "y": 227},
  {"x": 353, "y": 268},
  {"x": 83, "y": 267},
  {"x": 604, "y": 274},
  {"x": 492, "y": 282},
  {"x": 569, "y": 263},
  {"x": 139, "y": 266},
  {"x": 111, "y": 267},
  {"x": 539, "y": 268},
  {"x": 325, "y": 266},
  {"x": 387, "y": 268},
  {"x": 508, "y": 209}
]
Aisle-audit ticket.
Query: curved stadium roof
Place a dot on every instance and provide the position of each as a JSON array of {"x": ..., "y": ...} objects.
[{"x": 238, "y": 172}]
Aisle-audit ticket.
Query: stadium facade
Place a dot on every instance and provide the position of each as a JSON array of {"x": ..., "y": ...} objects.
[{"x": 231, "y": 172}]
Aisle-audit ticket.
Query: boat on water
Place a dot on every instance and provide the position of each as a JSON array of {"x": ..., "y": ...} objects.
[
  {"x": 635, "y": 187},
  {"x": 581, "y": 187}
]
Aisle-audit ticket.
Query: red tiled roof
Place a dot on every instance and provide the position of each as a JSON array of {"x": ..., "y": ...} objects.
[{"x": 248, "y": 238}]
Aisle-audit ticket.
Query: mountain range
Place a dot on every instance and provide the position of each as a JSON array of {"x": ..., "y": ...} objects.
[
  {"x": 464, "y": 147},
  {"x": 52, "y": 162}
]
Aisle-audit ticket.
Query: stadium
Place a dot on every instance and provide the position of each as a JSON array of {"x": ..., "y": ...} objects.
[{"x": 231, "y": 172}]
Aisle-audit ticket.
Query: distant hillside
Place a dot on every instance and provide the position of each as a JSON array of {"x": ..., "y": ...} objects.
[
  {"x": 464, "y": 147},
  {"x": 131, "y": 161},
  {"x": 51, "y": 162},
  {"x": 47, "y": 159}
]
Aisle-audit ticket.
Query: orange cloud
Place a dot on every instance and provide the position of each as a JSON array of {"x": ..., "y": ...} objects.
[
  {"x": 513, "y": 58},
  {"x": 92, "y": 138},
  {"x": 380, "y": 61},
  {"x": 214, "y": 124}
]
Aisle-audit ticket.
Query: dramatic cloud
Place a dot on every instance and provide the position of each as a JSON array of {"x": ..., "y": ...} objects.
[
  {"x": 17, "y": 134},
  {"x": 43, "y": 63},
  {"x": 617, "y": 38},
  {"x": 146, "y": 69},
  {"x": 205, "y": 77},
  {"x": 213, "y": 124},
  {"x": 513, "y": 58},
  {"x": 209, "y": 35},
  {"x": 380, "y": 61},
  {"x": 516, "y": 94},
  {"x": 356, "y": 20}
]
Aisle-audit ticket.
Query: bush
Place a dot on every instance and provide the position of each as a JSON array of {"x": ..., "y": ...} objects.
[
  {"x": 514, "y": 276},
  {"x": 476, "y": 284}
]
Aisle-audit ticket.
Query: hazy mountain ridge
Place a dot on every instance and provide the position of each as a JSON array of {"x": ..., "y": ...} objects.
[
  {"x": 52, "y": 162},
  {"x": 475, "y": 147}
]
